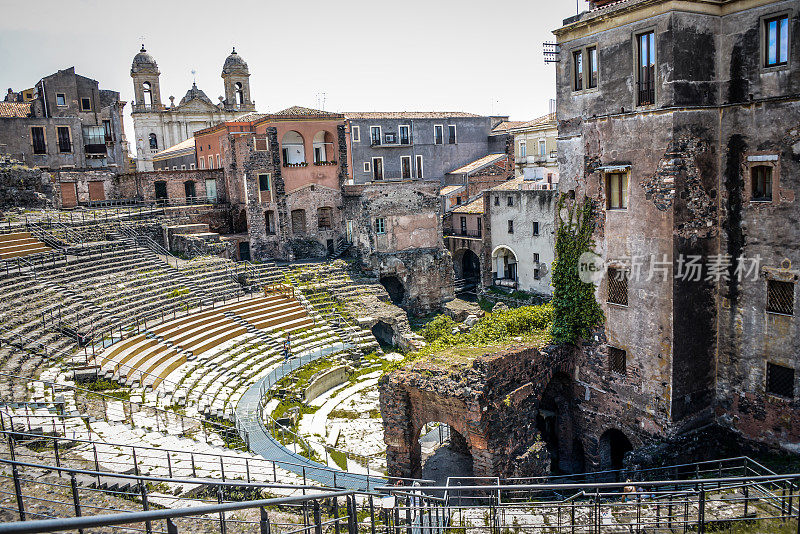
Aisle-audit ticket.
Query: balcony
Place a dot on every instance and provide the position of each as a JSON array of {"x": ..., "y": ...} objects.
[
  {"x": 322, "y": 163},
  {"x": 450, "y": 232},
  {"x": 646, "y": 94},
  {"x": 301, "y": 164}
]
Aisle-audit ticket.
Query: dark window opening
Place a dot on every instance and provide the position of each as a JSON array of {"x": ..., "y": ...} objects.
[
  {"x": 189, "y": 189},
  {"x": 270, "y": 219},
  {"x": 161, "y": 190},
  {"x": 617, "y": 360},
  {"x": 153, "y": 142},
  {"x": 776, "y": 45},
  {"x": 37, "y": 138},
  {"x": 510, "y": 201},
  {"x": 107, "y": 132},
  {"x": 438, "y": 134},
  {"x": 86, "y": 104},
  {"x": 617, "y": 286},
  {"x": 64, "y": 142},
  {"x": 780, "y": 297},
  {"x": 535, "y": 228},
  {"x": 497, "y": 200},
  {"x": 377, "y": 168},
  {"x": 263, "y": 182},
  {"x": 761, "y": 177},
  {"x": 405, "y": 137},
  {"x": 780, "y": 380},
  {"x": 405, "y": 167},
  {"x": 510, "y": 227},
  {"x": 451, "y": 134},
  {"x": 375, "y": 135},
  {"x": 535, "y": 257},
  {"x": 646, "y": 69},
  {"x": 577, "y": 63},
  {"x": 591, "y": 56},
  {"x": 463, "y": 225}
]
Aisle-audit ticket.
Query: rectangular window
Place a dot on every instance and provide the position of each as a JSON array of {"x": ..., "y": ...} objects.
[
  {"x": 523, "y": 148},
  {"x": 202, "y": 162},
  {"x": 542, "y": 148},
  {"x": 210, "y": 162},
  {"x": 64, "y": 142},
  {"x": 375, "y": 135},
  {"x": 463, "y": 225},
  {"x": 367, "y": 166},
  {"x": 451, "y": 134},
  {"x": 535, "y": 257},
  {"x": 380, "y": 225},
  {"x": 183, "y": 167},
  {"x": 61, "y": 99},
  {"x": 780, "y": 380},
  {"x": 761, "y": 177},
  {"x": 510, "y": 227},
  {"x": 497, "y": 200},
  {"x": 646, "y": 50},
  {"x": 617, "y": 191},
  {"x": 617, "y": 286},
  {"x": 776, "y": 43},
  {"x": 324, "y": 218},
  {"x": 536, "y": 274},
  {"x": 37, "y": 139},
  {"x": 263, "y": 182},
  {"x": 86, "y": 104},
  {"x": 591, "y": 71},
  {"x": 405, "y": 167},
  {"x": 270, "y": 216},
  {"x": 211, "y": 188},
  {"x": 780, "y": 297},
  {"x": 458, "y": 201},
  {"x": 480, "y": 225},
  {"x": 510, "y": 201},
  {"x": 219, "y": 166},
  {"x": 356, "y": 134},
  {"x": 577, "y": 66},
  {"x": 377, "y": 168},
  {"x": 191, "y": 166},
  {"x": 617, "y": 361},
  {"x": 405, "y": 134},
  {"x": 438, "y": 134},
  {"x": 261, "y": 144},
  {"x": 107, "y": 132},
  {"x": 535, "y": 228},
  {"x": 420, "y": 173}
]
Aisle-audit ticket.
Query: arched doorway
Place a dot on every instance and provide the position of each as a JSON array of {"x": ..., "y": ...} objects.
[
  {"x": 555, "y": 423},
  {"x": 395, "y": 288},
  {"x": 384, "y": 333},
  {"x": 293, "y": 148},
  {"x": 443, "y": 453},
  {"x": 612, "y": 447},
  {"x": 467, "y": 269},
  {"x": 504, "y": 267}
]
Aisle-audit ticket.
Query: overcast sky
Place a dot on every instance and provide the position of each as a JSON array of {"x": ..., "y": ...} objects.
[{"x": 365, "y": 55}]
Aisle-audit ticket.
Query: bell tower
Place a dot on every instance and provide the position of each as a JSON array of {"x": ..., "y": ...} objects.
[
  {"x": 236, "y": 77},
  {"x": 145, "y": 74}
]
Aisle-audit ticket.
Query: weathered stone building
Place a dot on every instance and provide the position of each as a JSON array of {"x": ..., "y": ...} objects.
[{"x": 680, "y": 122}]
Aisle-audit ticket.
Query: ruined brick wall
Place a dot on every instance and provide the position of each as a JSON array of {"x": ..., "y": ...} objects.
[
  {"x": 141, "y": 185},
  {"x": 22, "y": 186}
]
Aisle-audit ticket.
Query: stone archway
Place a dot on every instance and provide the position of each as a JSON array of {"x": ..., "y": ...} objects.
[
  {"x": 612, "y": 447},
  {"x": 395, "y": 288},
  {"x": 467, "y": 267},
  {"x": 554, "y": 420},
  {"x": 444, "y": 453},
  {"x": 384, "y": 333}
]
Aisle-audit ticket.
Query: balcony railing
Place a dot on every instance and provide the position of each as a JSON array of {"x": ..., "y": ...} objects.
[
  {"x": 319, "y": 163},
  {"x": 646, "y": 93},
  {"x": 301, "y": 164},
  {"x": 450, "y": 232}
]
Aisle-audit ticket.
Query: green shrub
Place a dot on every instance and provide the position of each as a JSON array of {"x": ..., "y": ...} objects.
[{"x": 438, "y": 328}]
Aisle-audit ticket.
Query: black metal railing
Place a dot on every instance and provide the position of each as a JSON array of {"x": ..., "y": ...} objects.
[
  {"x": 453, "y": 232},
  {"x": 646, "y": 93}
]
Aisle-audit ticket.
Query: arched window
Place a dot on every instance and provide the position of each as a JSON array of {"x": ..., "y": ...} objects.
[
  {"x": 239, "y": 94},
  {"x": 323, "y": 147},
  {"x": 153, "y": 141},
  {"x": 293, "y": 148},
  {"x": 147, "y": 94}
]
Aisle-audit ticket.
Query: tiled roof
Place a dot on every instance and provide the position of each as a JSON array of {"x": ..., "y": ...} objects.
[
  {"x": 250, "y": 117},
  {"x": 479, "y": 163},
  {"x": 544, "y": 119},
  {"x": 300, "y": 111},
  {"x": 506, "y": 125},
  {"x": 175, "y": 150},
  {"x": 446, "y": 190},
  {"x": 15, "y": 110},
  {"x": 476, "y": 206},
  {"x": 407, "y": 114},
  {"x": 511, "y": 185}
]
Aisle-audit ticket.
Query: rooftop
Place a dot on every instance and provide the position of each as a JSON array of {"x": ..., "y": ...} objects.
[
  {"x": 476, "y": 206},
  {"x": 300, "y": 111},
  {"x": 479, "y": 163},
  {"x": 15, "y": 110},
  {"x": 407, "y": 114},
  {"x": 544, "y": 120},
  {"x": 507, "y": 125},
  {"x": 446, "y": 190},
  {"x": 187, "y": 146}
]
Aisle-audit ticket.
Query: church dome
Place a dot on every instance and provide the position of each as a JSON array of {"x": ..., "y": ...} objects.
[
  {"x": 234, "y": 64},
  {"x": 143, "y": 62}
]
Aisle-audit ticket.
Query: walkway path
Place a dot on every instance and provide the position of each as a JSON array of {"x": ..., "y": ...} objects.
[{"x": 261, "y": 442}]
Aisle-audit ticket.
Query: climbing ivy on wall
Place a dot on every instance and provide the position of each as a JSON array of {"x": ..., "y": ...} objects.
[{"x": 575, "y": 309}]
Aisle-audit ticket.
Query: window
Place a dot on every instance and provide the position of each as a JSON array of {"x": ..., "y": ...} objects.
[
  {"x": 535, "y": 257},
  {"x": 591, "y": 71},
  {"x": 264, "y": 188},
  {"x": 536, "y": 274},
  {"x": 94, "y": 135},
  {"x": 377, "y": 168},
  {"x": 405, "y": 167},
  {"x": 375, "y": 135},
  {"x": 86, "y": 104},
  {"x": 37, "y": 139},
  {"x": 239, "y": 92},
  {"x": 463, "y": 225},
  {"x": 420, "y": 173},
  {"x": 355, "y": 133},
  {"x": 617, "y": 191},
  {"x": 219, "y": 166},
  {"x": 202, "y": 162},
  {"x": 147, "y": 95},
  {"x": 61, "y": 99},
  {"x": 260, "y": 143},
  {"x": 438, "y": 134},
  {"x": 367, "y": 166},
  {"x": 191, "y": 166},
  {"x": 780, "y": 297},
  {"x": 776, "y": 44},
  {"x": 174, "y": 167},
  {"x": 761, "y": 177},
  {"x": 299, "y": 222},
  {"x": 646, "y": 69},
  {"x": 542, "y": 148},
  {"x": 270, "y": 218},
  {"x": 617, "y": 361},
  {"x": 497, "y": 200},
  {"x": 189, "y": 189},
  {"x": 577, "y": 68},
  {"x": 405, "y": 135},
  {"x": 64, "y": 141},
  {"x": 780, "y": 380},
  {"x": 183, "y": 167},
  {"x": 107, "y": 133},
  {"x": 536, "y": 228},
  {"x": 510, "y": 227},
  {"x": 523, "y": 148},
  {"x": 153, "y": 141},
  {"x": 380, "y": 225},
  {"x": 510, "y": 201},
  {"x": 451, "y": 134},
  {"x": 211, "y": 188},
  {"x": 617, "y": 286},
  {"x": 210, "y": 162},
  {"x": 324, "y": 217},
  {"x": 480, "y": 225},
  {"x": 458, "y": 201},
  {"x": 160, "y": 189}
]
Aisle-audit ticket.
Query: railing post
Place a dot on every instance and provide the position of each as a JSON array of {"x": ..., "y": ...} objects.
[
  {"x": 220, "y": 499},
  {"x": 18, "y": 492},
  {"x": 317, "y": 519},
  {"x": 263, "y": 522},
  {"x": 352, "y": 519},
  {"x": 701, "y": 512},
  {"x": 148, "y": 526},
  {"x": 55, "y": 453},
  {"x": 76, "y": 501}
]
